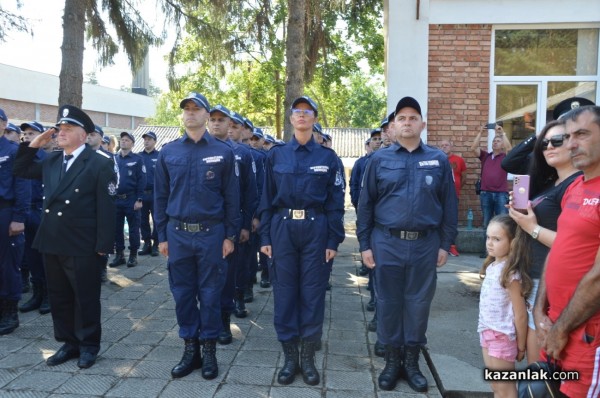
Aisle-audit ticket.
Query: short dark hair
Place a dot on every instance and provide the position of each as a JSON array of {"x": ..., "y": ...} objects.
[{"x": 573, "y": 114}]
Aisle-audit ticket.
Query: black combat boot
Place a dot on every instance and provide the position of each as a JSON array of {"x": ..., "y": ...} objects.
[
  {"x": 210, "y": 370},
  {"x": 191, "y": 359},
  {"x": 225, "y": 336},
  {"x": 35, "y": 301},
  {"x": 393, "y": 365},
  {"x": 25, "y": 286},
  {"x": 132, "y": 262},
  {"x": 45, "y": 305},
  {"x": 310, "y": 375},
  {"x": 290, "y": 363},
  {"x": 146, "y": 249},
  {"x": 118, "y": 260},
  {"x": 411, "y": 371},
  {"x": 240, "y": 306},
  {"x": 10, "y": 316},
  {"x": 249, "y": 294},
  {"x": 154, "y": 252}
]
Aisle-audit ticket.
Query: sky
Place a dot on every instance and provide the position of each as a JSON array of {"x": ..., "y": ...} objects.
[{"x": 42, "y": 53}]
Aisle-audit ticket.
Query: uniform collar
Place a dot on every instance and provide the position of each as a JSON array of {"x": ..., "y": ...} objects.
[
  {"x": 397, "y": 147},
  {"x": 310, "y": 145},
  {"x": 205, "y": 137}
]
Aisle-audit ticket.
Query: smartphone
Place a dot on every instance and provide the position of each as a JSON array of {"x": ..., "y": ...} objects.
[
  {"x": 490, "y": 126},
  {"x": 520, "y": 195}
]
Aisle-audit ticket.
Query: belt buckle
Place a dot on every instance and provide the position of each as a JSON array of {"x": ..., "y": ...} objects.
[
  {"x": 411, "y": 235},
  {"x": 298, "y": 214},
  {"x": 193, "y": 227}
]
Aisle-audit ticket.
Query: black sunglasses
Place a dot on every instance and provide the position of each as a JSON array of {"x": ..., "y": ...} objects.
[{"x": 555, "y": 140}]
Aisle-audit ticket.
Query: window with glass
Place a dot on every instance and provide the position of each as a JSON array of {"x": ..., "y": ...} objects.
[{"x": 535, "y": 69}]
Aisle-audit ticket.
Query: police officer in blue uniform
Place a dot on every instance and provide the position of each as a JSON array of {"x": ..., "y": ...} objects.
[
  {"x": 197, "y": 213},
  {"x": 232, "y": 297},
  {"x": 15, "y": 205},
  {"x": 407, "y": 219},
  {"x": 32, "y": 259},
  {"x": 150, "y": 156},
  {"x": 76, "y": 230},
  {"x": 301, "y": 225},
  {"x": 130, "y": 193},
  {"x": 12, "y": 133}
]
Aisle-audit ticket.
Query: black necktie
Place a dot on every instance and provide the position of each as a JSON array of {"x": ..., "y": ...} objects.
[{"x": 65, "y": 163}]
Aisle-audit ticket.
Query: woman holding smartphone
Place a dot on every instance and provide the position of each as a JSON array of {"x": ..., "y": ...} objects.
[{"x": 551, "y": 173}]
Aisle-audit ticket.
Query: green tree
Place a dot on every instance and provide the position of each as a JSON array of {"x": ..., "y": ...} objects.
[{"x": 9, "y": 21}]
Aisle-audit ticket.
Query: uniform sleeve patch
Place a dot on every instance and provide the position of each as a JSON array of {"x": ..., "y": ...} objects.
[
  {"x": 143, "y": 168},
  {"x": 112, "y": 188},
  {"x": 237, "y": 170},
  {"x": 338, "y": 178}
]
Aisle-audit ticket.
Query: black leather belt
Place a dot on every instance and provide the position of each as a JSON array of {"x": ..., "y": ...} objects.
[
  {"x": 299, "y": 214},
  {"x": 193, "y": 227},
  {"x": 4, "y": 204},
  {"x": 398, "y": 233},
  {"x": 125, "y": 196}
]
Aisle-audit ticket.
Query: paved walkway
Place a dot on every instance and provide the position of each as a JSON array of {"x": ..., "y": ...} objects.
[{"x": 140, "y": 345}]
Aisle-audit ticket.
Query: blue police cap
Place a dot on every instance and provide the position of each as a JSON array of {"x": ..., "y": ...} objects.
[
  {"x": 236, "y": 118},
  {"x": 13, "y": 128},
  {"x": 248, "y": 123},
  {"x": 317, "y": 128},
  {"x": 376, "y": 131},
  {"x": 70, "y": 114},
  {"x": 307, "y": 100},
  {"x": 269, "y": 139},
  {"x": 257, "y": 132},
  {"x": 128, "y": 135},
  {"x": 99, "y": 130},
  {"x": 34, "y": 125},
  {"x": 570, "y": 103},
  {"x": 3, "y": 115},
  {"x": 222, "y": 109},
  {"x": 150, "y": 134},
  {"x": 384, "y": 122},
  {"x": 408, "y": 102},
  {"x": 106, "y": 139},
  {"x": 198, "y": 99},
  {"x": 326, "y": 137}
]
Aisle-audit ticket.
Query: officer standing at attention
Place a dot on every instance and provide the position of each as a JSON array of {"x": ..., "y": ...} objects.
[
  {"x": 77, "y": 228},
  {"x": 301, "y": 225},
  {"x": 15, "y": 204},
  {"x": 33, "y": 258},
  {"x": 130, "y": 193},
  {"x": 197, "y": 210},
  {"x": 150, "y": 156},
  {"x": 406, "y": 222}
]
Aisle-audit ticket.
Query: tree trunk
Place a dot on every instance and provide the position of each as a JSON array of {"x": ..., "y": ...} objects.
[
  {"x": 71, "y": 70},
  {"x": 277, "y": 105},
  {"x": 295, "y": 49}
]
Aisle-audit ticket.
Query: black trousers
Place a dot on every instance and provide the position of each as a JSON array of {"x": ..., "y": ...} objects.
[{"x": 74, "y": 293}]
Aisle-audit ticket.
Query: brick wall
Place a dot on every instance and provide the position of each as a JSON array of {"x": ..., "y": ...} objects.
[{"x": 459, "y": 91}]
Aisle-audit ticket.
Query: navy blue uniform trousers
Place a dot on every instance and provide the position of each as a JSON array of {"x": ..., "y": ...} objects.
[
  {"x": 299, "y": 276},
  {"x": 11, "y": 254},
  {"x": 125, "y": 209},
  {"x": 405, "y": 281},
  {"x": 237, "y": 275},
  {"x": 147, "y": 211},
  {"x": 32, "y": 258},
  {"x": 197, "y": 273}
]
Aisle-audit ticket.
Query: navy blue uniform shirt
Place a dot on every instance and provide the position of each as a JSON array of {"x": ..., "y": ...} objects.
[
  {"x": 356, "y": 179},
  {"x": 303, "y": 177},
  {"x": 196, "y": 182},
  {"x": 12, "y": 188},
  {"x": 132, "y": 173},
  {"x": 150, "y": 159},
  {"x": 259, "y": 160},
  {"x": 248, "y": 190},
  {"x": 409, "y": 191}
]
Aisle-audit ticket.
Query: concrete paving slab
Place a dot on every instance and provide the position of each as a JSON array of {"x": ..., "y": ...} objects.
[
  {"x": 137, "y": 388},
  {"x": 87, "y": 384}
]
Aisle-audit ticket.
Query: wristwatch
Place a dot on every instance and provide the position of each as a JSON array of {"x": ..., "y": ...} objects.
[
  {"x": 536, "y": 232},
  {"x": 231, "y": 238}
]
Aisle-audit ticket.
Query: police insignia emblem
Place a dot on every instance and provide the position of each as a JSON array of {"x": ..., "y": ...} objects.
[
  {"x": 129, "y": 172},
  {"x": 143, "y": 168},
  {"x": 65, "y": 112},
  {"x": 237, "y": 170},
  {"x": 210, "y": 175},
  {"x": 112, "y": 188},
  {"x": 338, "y": 178},
  {"x": 575, "y": 104},
  {"x": 428, "y": 180},
  {"x": 254, "y": 167}
]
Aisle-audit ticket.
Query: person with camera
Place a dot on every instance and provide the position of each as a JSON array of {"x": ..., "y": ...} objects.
[{"x": 494, "y": 192}]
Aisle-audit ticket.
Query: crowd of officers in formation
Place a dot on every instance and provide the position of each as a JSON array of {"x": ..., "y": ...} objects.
[{"x": 225, "y": 199}]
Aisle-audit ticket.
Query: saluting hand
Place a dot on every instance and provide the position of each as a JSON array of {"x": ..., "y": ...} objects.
[
  {"x": 42, "y": 139},
  {"x": 368, "y": 259}
]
